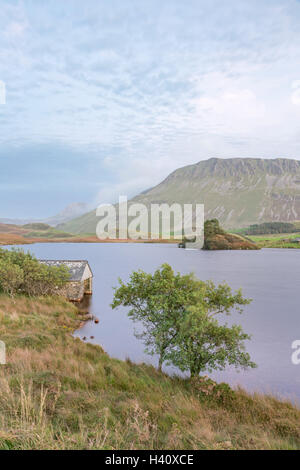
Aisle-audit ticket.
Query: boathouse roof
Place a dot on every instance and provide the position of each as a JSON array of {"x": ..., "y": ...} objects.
[{"x": 79, "y": 269}]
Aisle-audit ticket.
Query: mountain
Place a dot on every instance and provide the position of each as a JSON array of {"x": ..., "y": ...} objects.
[
  {"x": 68, "y": 213},
  {"x": 236, "y": 191}
]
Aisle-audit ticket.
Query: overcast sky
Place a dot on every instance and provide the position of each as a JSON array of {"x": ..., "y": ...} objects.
[{"x": 108, "y": 97}]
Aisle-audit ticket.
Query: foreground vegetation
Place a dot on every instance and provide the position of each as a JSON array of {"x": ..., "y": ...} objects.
[
  {"x": 57, "y": 392},
  {"x": 21, "y": 272}
]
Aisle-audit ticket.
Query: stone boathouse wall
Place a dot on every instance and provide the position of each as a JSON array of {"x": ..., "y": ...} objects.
[{"x": 73, "y": 290}]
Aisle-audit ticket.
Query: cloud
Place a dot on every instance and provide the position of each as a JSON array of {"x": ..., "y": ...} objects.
[
  {"x": 233, "y": 111},
  {"x": 295, "y": 96},
  {"x": 140, "y": 88},
  {"x": 15, "y": 30}
]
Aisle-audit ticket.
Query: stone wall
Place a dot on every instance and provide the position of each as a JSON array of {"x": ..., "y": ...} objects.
[
  {"x": 88, "y": 286},
  {"x": 73, "y": 290}
]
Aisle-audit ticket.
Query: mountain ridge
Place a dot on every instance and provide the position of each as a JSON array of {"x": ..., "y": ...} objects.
[{"x": 237, "y": 191}]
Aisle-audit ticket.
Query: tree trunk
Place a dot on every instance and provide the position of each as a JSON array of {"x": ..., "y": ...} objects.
[
  {"x": 194, "y": 372},
  {"x": 160, "y": 363}
]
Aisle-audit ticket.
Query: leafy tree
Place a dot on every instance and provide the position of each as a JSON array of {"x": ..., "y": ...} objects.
[
  {"x": 177, "y": 315},
  {"x": 157, "y": 302}
]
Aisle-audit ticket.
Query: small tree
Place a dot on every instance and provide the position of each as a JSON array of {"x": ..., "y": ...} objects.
[
  {"x": 211, "y": 229},
  {"x": 157, "y": 302},
  {"x": 177, "y": 318}
]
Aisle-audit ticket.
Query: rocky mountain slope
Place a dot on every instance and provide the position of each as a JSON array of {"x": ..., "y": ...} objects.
[{"x": 236, "y": 191}]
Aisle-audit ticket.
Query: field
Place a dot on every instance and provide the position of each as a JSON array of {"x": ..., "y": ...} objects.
[
  {"x": 42, "y": 233},
  {"x": 57, "y": 392},
  {"x": 278, "y": 240}
]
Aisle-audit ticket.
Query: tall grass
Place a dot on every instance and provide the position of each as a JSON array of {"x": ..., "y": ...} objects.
[{"x": 57, "y": 392}]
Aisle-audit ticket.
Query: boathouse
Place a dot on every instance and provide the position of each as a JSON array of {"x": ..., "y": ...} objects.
[{"x": 80, "y": 282}]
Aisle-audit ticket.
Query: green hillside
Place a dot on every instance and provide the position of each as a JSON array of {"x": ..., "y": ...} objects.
[{"x": 237, "y": 191}]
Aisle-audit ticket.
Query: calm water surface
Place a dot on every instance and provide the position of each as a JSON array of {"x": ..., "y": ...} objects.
[{"x": 271, "y": 277}]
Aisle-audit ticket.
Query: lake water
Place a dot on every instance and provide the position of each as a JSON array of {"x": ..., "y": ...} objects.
[{"x": 271, "y": 277}]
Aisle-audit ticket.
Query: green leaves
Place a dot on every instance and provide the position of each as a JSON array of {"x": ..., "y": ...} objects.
[
  {"x": 11, "y": 277},
  {"x": 177, "y": 315},
  {"x": 202, "y": 344},
  {"x": 21, "y": 272}
]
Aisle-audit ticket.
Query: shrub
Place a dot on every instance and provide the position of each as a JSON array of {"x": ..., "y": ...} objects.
[
  {"x": 21, "y": 272},
  {"x": 11, "y": 277}
]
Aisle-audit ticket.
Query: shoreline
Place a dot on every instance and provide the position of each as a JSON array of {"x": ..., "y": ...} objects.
[
  {"x": 12, "y": 239},
  {"x": 18, "y": 240}
]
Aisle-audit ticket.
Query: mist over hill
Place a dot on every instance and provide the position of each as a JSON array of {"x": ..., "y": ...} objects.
[{"x": 71, "y": 211}]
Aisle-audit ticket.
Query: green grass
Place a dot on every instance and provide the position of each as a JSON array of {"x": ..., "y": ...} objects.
[
  {"x": 57, "y": 392},
  {"x": 275, "y": 240},
  {"x": 49, "y": 233}
]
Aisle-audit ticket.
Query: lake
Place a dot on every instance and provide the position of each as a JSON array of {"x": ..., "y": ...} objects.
[{"x": 271, "y": 277}]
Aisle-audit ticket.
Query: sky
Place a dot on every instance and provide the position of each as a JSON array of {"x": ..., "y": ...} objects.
[{"x": 104, "y": 98}]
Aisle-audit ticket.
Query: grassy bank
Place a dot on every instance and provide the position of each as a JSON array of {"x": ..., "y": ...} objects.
[
  {"x": 57, "y": 392},
  {"x": 282, "y": 240}
]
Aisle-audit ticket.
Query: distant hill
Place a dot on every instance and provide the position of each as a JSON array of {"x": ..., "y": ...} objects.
[
  {"x": 237, "y": 191},
  {"x": 68, "y": 213},
  {"x": 14, "y": 229},
  {"x": 34, "y": 230}
]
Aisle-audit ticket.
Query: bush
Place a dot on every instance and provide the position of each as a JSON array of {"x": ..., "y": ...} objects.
[
  {"x": 22, "y": 273},
  {"x": 11, "y": 277}
]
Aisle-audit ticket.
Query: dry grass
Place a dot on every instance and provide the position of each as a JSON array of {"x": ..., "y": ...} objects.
[
  {"x": 57, "y": 392},
  {"x": 12, "y": 239}
]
